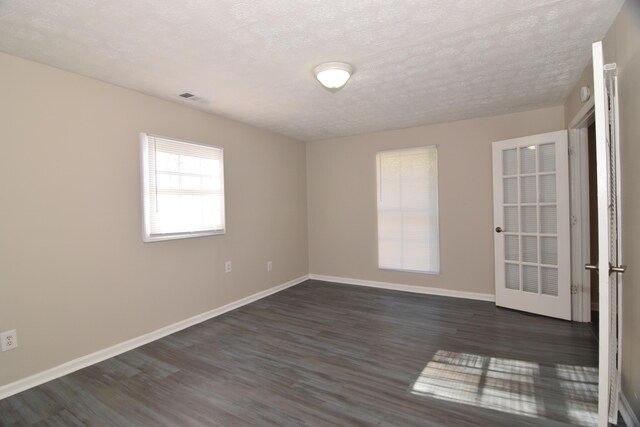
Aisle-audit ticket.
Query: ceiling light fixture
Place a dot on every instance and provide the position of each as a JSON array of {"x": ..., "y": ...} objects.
[{"x": 333, "y": 75}]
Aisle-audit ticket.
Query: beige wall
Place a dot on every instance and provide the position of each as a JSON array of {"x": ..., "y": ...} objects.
[
  {"x": 573, "y": 104},
  {"x": 342, "y": 199},
  {"x": 75, "y": 276},
  {"x": 622, "y": 46}
]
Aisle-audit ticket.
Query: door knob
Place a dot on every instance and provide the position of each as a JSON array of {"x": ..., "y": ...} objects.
[
  {"x": 619, "y": 269},
  {"x": 499, "y": 230},
  {"x": 612, "y": 269}
]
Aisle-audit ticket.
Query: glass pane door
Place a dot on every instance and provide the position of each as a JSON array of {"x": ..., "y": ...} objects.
[
  {"x": 531, "y": 223},
  {"x": 530, "y": 219}
]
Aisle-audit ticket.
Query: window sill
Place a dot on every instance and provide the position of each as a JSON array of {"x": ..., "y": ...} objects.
[{"x": 175, "y": 236}]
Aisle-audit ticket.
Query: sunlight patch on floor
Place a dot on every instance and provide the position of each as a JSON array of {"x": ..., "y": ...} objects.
[{"x": 563, "y": 392}]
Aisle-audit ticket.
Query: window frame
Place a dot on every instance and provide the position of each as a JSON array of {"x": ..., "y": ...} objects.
[
  {"x": 438, "y": 270},
  {"x": 147, "y": 237}
]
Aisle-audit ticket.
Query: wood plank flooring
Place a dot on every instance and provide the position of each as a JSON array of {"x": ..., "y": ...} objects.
[{"x": 328, "y": 355}]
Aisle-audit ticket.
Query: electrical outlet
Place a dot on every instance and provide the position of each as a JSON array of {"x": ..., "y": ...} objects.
[
  {"x": 269, "y": 266},
  {"x": 8, "y": 340},
  {"x": 227, "y": 267}
]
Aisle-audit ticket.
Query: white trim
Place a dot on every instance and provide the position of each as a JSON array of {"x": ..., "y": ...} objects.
[
  {"x": 584, "y": 117},
  {"x": 585, "y": 220},
  {"x": 629, "y": 417},
  {"x": 106, "y": 353},
  {"x": 147, "y": 235},
  {"x": 405, "y": 288},
  {"x": 433, "y": 259},
  {"x": 580, "y": 226},
  {"x": 580, "y": 209}
]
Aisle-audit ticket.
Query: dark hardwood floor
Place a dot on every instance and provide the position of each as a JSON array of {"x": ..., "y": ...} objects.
[{"x": 327, "y": 354}]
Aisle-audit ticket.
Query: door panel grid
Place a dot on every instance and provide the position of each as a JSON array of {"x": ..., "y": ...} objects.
[
  {"x": 530, "y": 217},
  {"x": 531, "y": 211}
]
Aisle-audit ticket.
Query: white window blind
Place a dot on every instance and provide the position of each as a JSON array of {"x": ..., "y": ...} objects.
[
  {"x": 408, "y": 210},
  {"x": 183, "y": 188}
]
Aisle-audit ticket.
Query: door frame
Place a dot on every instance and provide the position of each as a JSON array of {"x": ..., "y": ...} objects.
[{"x": 579, "y": 208}]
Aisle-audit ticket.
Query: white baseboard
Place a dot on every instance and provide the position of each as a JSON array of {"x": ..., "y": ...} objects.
[
  {"x": 100, "y": 355},
  {"x": 405, "y": 288},
  {"x": 629, "y": 417}
]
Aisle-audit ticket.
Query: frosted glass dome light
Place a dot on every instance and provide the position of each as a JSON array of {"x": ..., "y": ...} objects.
[{"x": 333, "y": 75}]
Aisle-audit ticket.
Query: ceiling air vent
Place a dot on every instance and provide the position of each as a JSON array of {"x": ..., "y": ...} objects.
[{"x": 194, "y": 98}]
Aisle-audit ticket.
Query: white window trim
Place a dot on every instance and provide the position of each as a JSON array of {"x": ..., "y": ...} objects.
[
  {"x": 438, "y": 271},
  {"x": 147, "y": 237}
]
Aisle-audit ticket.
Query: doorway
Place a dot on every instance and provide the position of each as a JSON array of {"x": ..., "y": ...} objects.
[
  {"x": 593, "y": 222},
  {"x": 584, "y": 218}
]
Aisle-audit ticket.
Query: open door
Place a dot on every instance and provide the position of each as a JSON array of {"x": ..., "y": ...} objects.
[
  {"x": 609, "y": 231},
  {"x": 531, "y": 221}
]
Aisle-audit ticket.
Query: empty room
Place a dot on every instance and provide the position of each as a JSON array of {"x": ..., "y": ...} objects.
[{"x": 322, "y": 213}]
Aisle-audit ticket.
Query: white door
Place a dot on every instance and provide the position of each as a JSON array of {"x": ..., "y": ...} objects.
[
  {"x": 531, "y": 224},
  {"x": 609, "y": 232}
]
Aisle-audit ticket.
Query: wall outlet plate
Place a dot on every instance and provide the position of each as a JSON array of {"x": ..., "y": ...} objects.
[
  {"x": 8, "y": 340},
  {"x": 227, "y": 267},
  {"x": 269, "y": 265}
]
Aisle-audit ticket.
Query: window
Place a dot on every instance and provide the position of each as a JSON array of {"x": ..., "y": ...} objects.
[
  {"x": 408, "y": 210},
  {"x": 183, "y": 189}
]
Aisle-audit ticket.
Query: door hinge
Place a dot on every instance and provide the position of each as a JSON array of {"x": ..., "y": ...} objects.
[
  {"x": 571, "y": 151},
  {"x": 574, "y": 219},
  {"x": 574, "y": 289}
]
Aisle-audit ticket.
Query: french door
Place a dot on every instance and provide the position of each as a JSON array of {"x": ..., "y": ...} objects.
[
  {"x": 531, "y": 224},
  {"x": 609, "y": 231}
]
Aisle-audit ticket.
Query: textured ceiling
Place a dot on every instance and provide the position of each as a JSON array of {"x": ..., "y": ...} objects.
[{"x": 417, "y": 61}]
